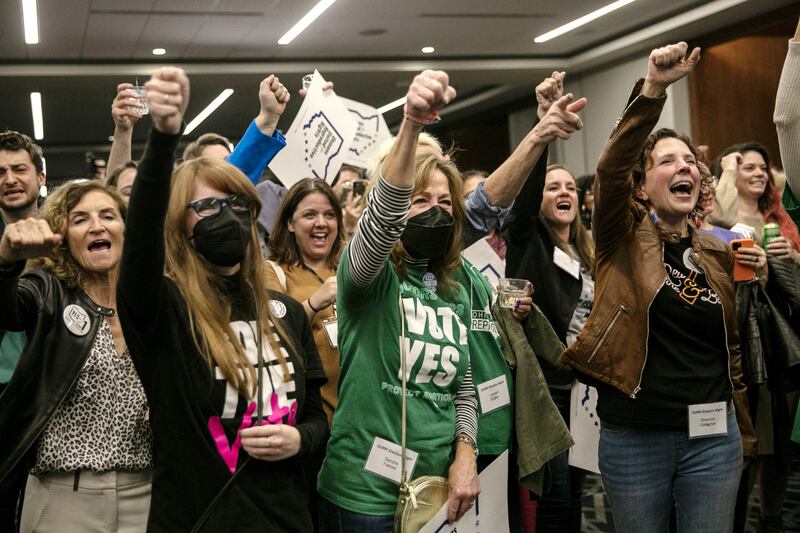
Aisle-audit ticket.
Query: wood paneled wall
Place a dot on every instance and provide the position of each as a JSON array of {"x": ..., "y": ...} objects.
[{"x": 732, "y": 93}]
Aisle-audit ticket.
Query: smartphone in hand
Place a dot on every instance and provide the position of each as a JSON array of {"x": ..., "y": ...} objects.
[{"x": 742, "y": 272}]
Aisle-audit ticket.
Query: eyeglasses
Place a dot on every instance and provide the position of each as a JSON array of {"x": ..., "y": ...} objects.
[{"x": 208, "y": 207}]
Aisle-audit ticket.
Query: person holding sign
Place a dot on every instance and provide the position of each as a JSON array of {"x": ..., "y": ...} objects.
[
  {"x": 230, "y": 369},
  {"x": 662, "y": 343},
  {"x": 397, "y": 281},
  {"x": 548, "y": 244}
]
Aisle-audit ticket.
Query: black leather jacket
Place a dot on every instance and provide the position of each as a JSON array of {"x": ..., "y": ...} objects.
[{"x": 50, "y": 363}]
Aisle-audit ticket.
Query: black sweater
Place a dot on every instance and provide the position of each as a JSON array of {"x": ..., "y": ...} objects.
[
  {"x": 529, "y": 255},
  {"x": 194, "y": 414}
]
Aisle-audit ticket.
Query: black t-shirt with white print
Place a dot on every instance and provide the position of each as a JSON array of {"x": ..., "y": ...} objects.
[
  {"x": 196, "y": 416},
  {"x": 199, "y": 466},
  {"x": 687, "y": 357}
]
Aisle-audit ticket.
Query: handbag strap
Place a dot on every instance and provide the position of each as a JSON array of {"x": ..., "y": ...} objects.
[
  {"x": 403, "y": 472},
  {"x": 405, "y": 488}
]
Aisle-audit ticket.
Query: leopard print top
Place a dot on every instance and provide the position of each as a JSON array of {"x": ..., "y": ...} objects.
[{"x": 102, "y": 424}]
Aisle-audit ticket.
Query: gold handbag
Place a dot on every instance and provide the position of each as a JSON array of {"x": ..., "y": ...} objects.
[{"x": 421, "y": 498}]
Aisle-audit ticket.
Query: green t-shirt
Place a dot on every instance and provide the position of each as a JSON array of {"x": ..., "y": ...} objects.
[
  {"x": 791, "y": 204},
  {"x": 370, "y": 384},
  {"x": 490, "y": 373}
]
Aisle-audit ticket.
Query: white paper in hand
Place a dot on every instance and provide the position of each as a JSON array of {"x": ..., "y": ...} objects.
[
  {"x": 319, "y": 138},
  {"x": 490, "y": 512},
  {"x": 371, "y": 133}
]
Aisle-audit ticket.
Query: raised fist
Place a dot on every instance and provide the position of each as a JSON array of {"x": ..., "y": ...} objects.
[
  {"x": 273, "y": 97},
  {"x": 167, "y": 93},
  {"x": 27, "y": 239},
  {"x": 668, "y": 64},
  {"x": 428, "y": 93},
  {"x": 550, "y": 90}
]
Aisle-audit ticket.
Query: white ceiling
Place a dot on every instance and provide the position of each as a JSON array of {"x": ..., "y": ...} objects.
[{"x": 369, "y": 48}]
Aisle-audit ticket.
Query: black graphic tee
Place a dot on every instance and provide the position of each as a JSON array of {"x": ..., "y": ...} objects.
[{"x": 687, "y": 356}]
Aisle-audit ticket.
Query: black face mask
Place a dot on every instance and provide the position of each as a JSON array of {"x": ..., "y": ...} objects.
[
  {"x": 223, "y": 238},
  {"x": 428, "y": 235}
]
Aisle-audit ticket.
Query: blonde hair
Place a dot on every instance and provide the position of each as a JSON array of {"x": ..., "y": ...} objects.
[
  {"x": 209, "y": 310},
  {"x": 425, "y": 140},
  {"x": 425, "y": 166},
  {"x": 56, "y": 213}
]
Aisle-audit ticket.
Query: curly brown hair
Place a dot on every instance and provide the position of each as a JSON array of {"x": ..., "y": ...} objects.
[
  {"x": 56, "y": 212},
  {"x": 644, "y": 163}
]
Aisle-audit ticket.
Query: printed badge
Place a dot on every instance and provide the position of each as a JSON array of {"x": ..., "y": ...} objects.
[
  {"x": 77, "y": 320},
  {"x": 429, "y": 280},
  {"x": 277, "y": 308}
]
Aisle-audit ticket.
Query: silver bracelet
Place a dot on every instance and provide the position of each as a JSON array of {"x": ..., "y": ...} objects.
[{"x": 466, "y": 439}]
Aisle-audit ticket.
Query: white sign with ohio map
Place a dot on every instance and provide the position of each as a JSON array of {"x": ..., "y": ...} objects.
[
  {"x": 371, "y": 133},
  {"x": 486, "y": 260},
  {"x": 319, "y": 138},
  {"x": 490, "y": 512}
]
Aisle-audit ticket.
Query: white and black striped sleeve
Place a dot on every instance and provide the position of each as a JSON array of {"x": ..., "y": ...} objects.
[
  {"x": 379, "y": 229},
  {"x": 466, "y": 402}
]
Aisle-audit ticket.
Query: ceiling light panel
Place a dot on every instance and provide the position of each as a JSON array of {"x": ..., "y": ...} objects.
[
  {"x": 36, "y": 115},
  {"x": 210, "y": 108},
  {"x": 304, "y": 22},
  {"x": 577, "y": 23},
  {"x": 30, "y": 21}
]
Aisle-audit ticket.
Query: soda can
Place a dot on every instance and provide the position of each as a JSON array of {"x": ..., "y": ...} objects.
[{"x": 771, "y": 231}]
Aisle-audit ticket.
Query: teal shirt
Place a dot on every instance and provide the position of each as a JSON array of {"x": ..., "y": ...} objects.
[
  {"x": 495, "y": 423},
  {"x": 11, "y": 344},
  {"x": 370, "y": 386},
  {"x": 10, "y": 351}
]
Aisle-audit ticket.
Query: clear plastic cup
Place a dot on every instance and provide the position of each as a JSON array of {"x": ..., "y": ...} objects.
[
  {"x": 145, "y": 109},
  {"x": 509, "y": 290},
  {"x": 307, "y": 81}
]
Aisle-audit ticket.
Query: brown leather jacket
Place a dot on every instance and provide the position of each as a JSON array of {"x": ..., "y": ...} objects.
[{"x": 612, "y": 347}]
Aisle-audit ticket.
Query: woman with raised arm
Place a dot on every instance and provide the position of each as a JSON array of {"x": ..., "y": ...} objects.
[
  {"x": 74, "y": 414},
  {"x": 230, "y": 369},
  {"x": 397, "y": 284},
  {"x": 548, "y": 244},
  {"x": 662, "y": 342}
]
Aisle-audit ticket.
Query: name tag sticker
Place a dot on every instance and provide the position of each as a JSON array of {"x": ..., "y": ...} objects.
[
  {"x": 708, "y": 419},
  {"x": 493, "y": 394},
  {"x": 332, "y": 329},
  {"x": 566, "y": 263},
  {"x": 384, "y": 460}
]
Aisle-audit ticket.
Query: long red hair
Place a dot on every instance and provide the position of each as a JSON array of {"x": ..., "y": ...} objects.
[{"x": 769, "y": 204}]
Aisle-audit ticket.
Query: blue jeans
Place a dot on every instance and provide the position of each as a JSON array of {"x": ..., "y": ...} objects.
[
  {"x": 645, "y": 473},
  {"x": 334, "y": 519},
  {"x": 559, "y": 510}
]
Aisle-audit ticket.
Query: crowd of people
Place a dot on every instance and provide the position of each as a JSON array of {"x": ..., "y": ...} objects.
[{"x": 188, "y": 347}]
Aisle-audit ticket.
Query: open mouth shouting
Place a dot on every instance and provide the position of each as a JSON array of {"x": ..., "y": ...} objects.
[
  {"x": 99, "y": 246},
  {"x": 564, "y": 206},
  {"x": 319, "y": 238},
  {"x": 682, "y": 189}
]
